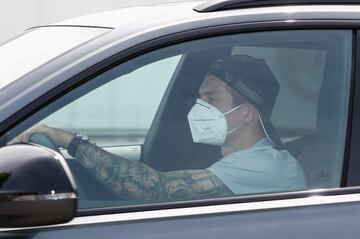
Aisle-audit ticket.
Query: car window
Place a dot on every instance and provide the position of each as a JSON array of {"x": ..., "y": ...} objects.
[
  {"x": 97, "y": 114},
  {"x": 241, "y": 114}
]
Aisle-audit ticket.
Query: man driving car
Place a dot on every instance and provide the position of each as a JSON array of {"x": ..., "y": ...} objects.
[{"x": 233, "y": 111}]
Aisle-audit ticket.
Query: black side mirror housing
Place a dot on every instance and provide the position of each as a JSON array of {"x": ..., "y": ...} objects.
[{"x": 36, "y": 187}]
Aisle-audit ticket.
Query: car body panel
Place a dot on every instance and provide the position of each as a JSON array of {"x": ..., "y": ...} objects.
[{"x": 279, "y": 218}]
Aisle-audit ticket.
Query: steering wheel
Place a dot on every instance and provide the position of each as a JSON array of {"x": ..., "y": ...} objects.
[{"x": 42, "y": 139}]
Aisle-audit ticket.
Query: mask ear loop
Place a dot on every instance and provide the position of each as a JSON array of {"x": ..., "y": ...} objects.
[
  {"x": 233, "y": 109},
  {"x": 232, "y": 130},
  {"x": 228, "y": 112},
  {"x": 262, "y": 125}
]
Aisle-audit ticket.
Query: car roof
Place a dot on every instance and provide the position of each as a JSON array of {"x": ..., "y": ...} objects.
[
  {"x": 177, "y": 13},
  {"x": 134, "y": 15}
]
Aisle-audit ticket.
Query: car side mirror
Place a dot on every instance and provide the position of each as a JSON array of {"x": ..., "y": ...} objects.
[{"x": 36, "y": 187}]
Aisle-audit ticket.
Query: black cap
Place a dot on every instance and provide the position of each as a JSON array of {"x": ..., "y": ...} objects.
[{"x": 252, "y": 78}]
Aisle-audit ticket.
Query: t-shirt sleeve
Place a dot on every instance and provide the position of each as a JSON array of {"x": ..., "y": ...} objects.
[{"x": 249, "y": 173}]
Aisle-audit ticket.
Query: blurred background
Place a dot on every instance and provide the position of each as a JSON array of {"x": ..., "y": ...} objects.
[{"x": 18, "y": 15}]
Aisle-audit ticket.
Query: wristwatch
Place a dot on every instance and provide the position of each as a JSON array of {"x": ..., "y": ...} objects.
[{"x": 78, "y": 139}]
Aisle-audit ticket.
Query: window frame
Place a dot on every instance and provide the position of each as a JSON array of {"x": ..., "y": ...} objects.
[
  {"x": 148, "y": 46},
  {"x": 351, "y": 176}
]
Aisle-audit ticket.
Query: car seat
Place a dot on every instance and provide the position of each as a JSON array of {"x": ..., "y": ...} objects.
[{"x": 322, "y": 162}]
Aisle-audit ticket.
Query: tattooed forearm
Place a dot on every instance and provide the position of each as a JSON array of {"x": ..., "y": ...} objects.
[
  {"x": 135, "y": 180},
  {"x": 193, "y": 184}
]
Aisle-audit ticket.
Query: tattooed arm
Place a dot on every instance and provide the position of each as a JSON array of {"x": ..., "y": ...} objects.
[
  {"x": 134, "y": 180},
  {"x": 130, "y": 178}
]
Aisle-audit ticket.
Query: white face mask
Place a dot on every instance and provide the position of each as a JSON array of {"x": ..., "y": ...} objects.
[{"x": 208, "y": 124}]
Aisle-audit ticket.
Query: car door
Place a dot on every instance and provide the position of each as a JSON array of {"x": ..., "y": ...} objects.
[{"x": 137, "y": 109}]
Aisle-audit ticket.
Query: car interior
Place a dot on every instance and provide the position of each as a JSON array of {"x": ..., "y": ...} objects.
[{"x": 316, "y": 150}]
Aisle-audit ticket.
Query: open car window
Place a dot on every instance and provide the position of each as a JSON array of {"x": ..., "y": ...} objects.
[{"x": 140, "y": 110}]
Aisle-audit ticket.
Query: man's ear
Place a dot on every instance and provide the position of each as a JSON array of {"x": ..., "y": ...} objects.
[{"x": 248, "y": 113}]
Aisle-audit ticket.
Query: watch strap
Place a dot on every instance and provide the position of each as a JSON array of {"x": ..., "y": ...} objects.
[{"x": 75, "y": 142}]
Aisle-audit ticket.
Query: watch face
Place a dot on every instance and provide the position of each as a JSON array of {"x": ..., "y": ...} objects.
[
  {"x": 85, "y": 137},
  {"x": 82, "y": 137}
]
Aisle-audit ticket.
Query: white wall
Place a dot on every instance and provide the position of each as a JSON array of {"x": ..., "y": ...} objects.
[{"x": 18, "y": 15}]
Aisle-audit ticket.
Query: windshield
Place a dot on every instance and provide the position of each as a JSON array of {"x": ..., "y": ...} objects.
[{"x": 38, "y": 46}]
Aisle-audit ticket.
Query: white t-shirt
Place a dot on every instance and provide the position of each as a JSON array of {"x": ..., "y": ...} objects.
[{"x": 260, "y": 169}]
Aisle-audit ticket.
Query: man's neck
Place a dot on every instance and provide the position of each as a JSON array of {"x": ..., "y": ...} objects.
[{"x": 239, "y": 141}]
